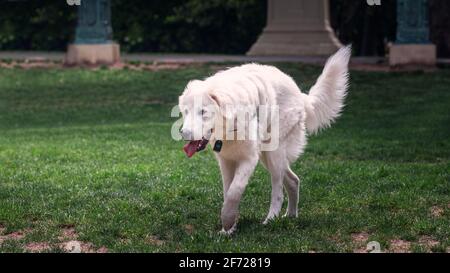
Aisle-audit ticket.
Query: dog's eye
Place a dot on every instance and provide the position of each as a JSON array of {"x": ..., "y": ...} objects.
[{"x": 203, "y": 112}]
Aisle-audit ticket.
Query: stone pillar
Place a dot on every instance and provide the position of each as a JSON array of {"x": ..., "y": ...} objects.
[
  {"x": 93, "y": 37},
  {"x": 296, "y": 27},
  {"x": 412, "y": 45}
]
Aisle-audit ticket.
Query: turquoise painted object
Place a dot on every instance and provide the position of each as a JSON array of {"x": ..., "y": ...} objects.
[
  {"x": 412, "y": 22},
  {"x": 94, "y": 22}
]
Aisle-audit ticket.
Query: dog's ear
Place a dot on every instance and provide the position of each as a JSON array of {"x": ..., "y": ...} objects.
[
  {"x": 222, "y": 103},
  {"x": 218, "y": 100},
  {"x": 215, "y": 98}
]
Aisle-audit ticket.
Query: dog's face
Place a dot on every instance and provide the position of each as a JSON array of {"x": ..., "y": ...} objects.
[{"x": 199, "y": 109}]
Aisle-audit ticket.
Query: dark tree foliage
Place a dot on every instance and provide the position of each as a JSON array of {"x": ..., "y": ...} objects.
[
  {"x": 36, "y": 24},
  {"x": 213, "y": 26}
]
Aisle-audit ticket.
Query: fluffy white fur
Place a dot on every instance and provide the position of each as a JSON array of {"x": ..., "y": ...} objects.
[{"x": 299, "y": 114}]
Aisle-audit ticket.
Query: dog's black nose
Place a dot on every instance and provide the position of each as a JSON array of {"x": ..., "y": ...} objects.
[{"x": 186, "y": 134}]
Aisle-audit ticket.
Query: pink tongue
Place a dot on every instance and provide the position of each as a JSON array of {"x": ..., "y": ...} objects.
[{"x": 191, "y": 148}]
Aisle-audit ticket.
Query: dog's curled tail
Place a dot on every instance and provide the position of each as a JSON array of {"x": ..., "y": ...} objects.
[{"x": 326, "y": 98}]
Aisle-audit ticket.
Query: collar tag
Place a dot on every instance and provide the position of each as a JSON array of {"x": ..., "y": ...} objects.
[{"x": 218, "y": 146}]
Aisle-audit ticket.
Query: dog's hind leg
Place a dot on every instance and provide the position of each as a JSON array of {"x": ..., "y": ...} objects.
[
  {"x": 291, "y": 184},
  {"x": 227, "y": 169},
  {"x": 275, "y": 162}
]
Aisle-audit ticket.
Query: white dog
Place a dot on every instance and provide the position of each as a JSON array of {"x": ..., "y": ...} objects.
[{"x": 207, "y": 117}]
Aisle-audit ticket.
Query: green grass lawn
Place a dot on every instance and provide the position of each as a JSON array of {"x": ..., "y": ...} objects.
[{"x": 91, "y": 151}]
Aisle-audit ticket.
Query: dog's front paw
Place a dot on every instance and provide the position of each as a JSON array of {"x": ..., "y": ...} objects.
[
  {"x": 229, "y": 232},
  {"x": 229, "y": 219}
]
